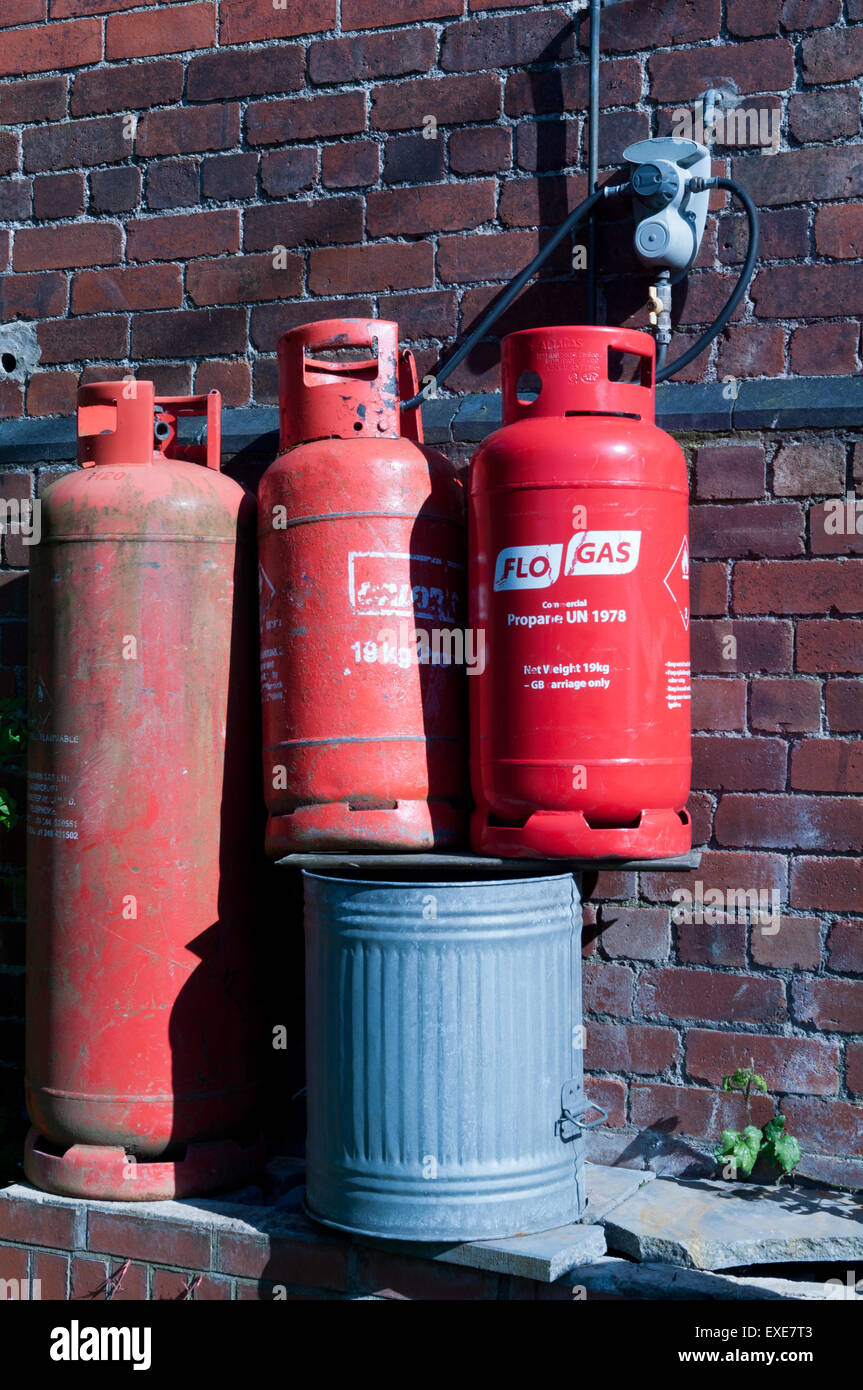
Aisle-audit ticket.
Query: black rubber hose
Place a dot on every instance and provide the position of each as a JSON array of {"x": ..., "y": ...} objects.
[
  {"x": 663, "y": 373},
  {"x": 513, "y": 291}
]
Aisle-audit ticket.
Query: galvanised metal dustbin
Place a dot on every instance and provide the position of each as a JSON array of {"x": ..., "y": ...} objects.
[{"x": 443, "y": 1039}]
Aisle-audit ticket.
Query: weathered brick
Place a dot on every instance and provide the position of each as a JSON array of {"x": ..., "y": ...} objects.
[
  {"x": 844, "y": 706},
  {"x": 692, "y": 1110},
  {"x": 270, "y": 321},
  {"x": 386, "y": 267},
  {"x": 761, "y": 530},
  {"x": 641, "y": 1048},
  {"x": 58, "y": 195},
  {"x": 845, "y": 949},
  {"x": 608, "y": 989},
  {"x": 51, "y": 46},
  {"x": 810, "y": 14},
  {"x": 37, "y": 1223},
  {"x": 8, "y": 152},
  {"x": 395, "y": 1276},
  {"x": 304, "y": 1257},
  {"x": 52, "y": 393},
  {"x": 757, "y": 645},
  {"x": 245, "y": 21},
  {"x": 550, "y": 93},
  {"x": 790, "y": 822},
  {"x": 711, "y": 943},
  {"x": 854, "y": 1067},
  {"x": 32, "y": 296},
  {"x": 13, "y": 1262},
  {"x": 738, "y": 764},
  {"x": 172, "y": 1287},
  {"x": 825, "y": 349},
  {"x": 507, "y": 41},
  {"x": 52, "y": 1274},
  {"x": 375, "y": 14},
  {"x": 835, "y": 55},
  {"x": 124, "y": 87},
  {"x": 43, "y": 99},
  {"x": 170, "y": 29},
  {"x": 242, "y": 279},
  {"x": 53, "y": 248},
  {"x": 797, "y": 1065},
  {"x": 828, "y": 765},
  {"x": 799, "y": 586},
  {"x": 189, "y": 129},
  {"x": 133, "y": 287},
  {"x": 115, "y": 190},
  {"x": 839, "y": 230},
  {"x": 450, "y": 100},
  {"x": 711, "y": 994},
  {"x": 70, "y": 340},
  {"x": 287, "y": 171},
  {"x": 762, "y": 66},
  {"x": 783, "y": 235},
  {"x": 831, "y": 1125},
  {"x": 751, "y": 349},
  {"x": 746, "y": 21},
  {"x": 830, "y": 647},
  {"x": 419, "y": 316},
  {"x": 229, "y": 176},
  {"x": 350, "y": 165},
  {"x": 392, "y": 54},
  {"x": 797, "y": 176},
  {"x": 827, "y": 885},
  {"x": 196, "y": 332},
  {"x": 298, "y": 223},
  {"x": 232, "y": 379},
  {"x": 836, "y": 526},
  {"x": 718, "y": 704},
  {"x": 708, "y": 585},
  {"x": 246, "y": 73},
  {"x": 71, "y": 9},
  {"x": 23, "y": 12},
  {"x": 795, "y": 946},
  {"x": 635, "y": 933},
  {"x": 830, "y": 114},
  {"x": 611, "y": 1095},
  {"x": 174, "y": 183},
  {"x": 785, "y": 706},
  {"x": 480, "y": 151},
  {"x": 725, "y": 471},
  {"x": 490, "y": 256},
  {"x": 799, "y": 470},
  {"x": 184, "y": 236},
  {"x": 430, "y": 208},
  {"x": 413, "y": 159},
  {"x": 725, "y": 870},
  {"x": 634, "y": 24},
  {"x": 305, "y": 118},
  {"x": 548, "y": 146},
  {"x": 99, "y": 140}
]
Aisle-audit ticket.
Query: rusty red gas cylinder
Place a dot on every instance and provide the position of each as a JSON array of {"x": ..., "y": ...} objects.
[
  {"x": 141, "y": 1078},
  {"x": 361, "y": 590},
  {"x": 579, "y": 577}
]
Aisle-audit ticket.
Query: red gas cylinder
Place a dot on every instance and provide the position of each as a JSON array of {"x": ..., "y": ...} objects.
[
  {"x": 361, "y": 582},
  {"x": 141, "y": 1079},
  {"x": 579, "y": 576}
]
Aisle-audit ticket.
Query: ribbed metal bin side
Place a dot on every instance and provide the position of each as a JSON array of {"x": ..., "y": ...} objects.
[{"x": 439, "y": 1034}]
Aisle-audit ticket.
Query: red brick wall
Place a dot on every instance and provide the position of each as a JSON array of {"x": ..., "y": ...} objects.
[{"x": 151, "y": 249}]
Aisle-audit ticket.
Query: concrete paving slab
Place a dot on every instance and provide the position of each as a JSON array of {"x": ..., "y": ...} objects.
[
  {"x": 608, "y": 1187},
  {"x": 718, "y": 1225}
]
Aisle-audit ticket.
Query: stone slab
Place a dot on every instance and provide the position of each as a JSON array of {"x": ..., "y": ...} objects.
[
  {"x": 612, "y": 1276},
  {"x": 718, "y": 1225},
  {"x": 608, "y": 1187}
]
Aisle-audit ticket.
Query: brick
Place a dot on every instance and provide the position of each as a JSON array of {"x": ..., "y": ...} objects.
[
  {"x": 825, "y": 349},
  {"x": 844, "y": 706},
  {"x": 636, "y": 933},
  {"x": 480, "y": 151},
  {"x": 765, "y": 65},
  {"x": 845, "y": 949},
  {"x": 828, "y": 765},
  {"x": 796, "y": 1065},
  {"x": 37, "y": 1223},
  {"x": 784, "y": 235},
  {"x": 708, "y": 589},
  {"x": 298, "y": 223},
  {"x": 796, "y": 945},
  {"x": 169, "y": 378},
  {"x": 197, "y": 332},
  {"x": 785, "y": 706},
  {"x": 270, "y": 321},
  {"x": 71, "y": 340},
  {"x": 287, "y": 171},
  {"x": 700, "y": 808},
  {"x": 370, "y": 14},
  {"x": 23, "y": 12},
  {"x": 51, "y": 46},
  {"x": 230, "y": 176},
  {"x": 71, "y": 9},
  {"x": 33, "y": 296},
  {"x": 369, "y": 56},
  {"x": 611, "y": 1095},
  {"x": 422, "y": 315},
  {"x": 550, "y": 93},
  {"x": 396, "y": 1276},
  {"x": 854, "y": 1067},
  {"x": 789, "y": 822},
  {"x": 493, "y": 256},
  {"x": 52, "y": 393},
  {"x": 797, "y": 176},
  {"x": 719, "y": 704},
  {"x": 97, "y": 140},
  {"x": 830, "y": 647},
  {"x": 43, "y": 99},
  {"x": 389, "y": 267},
  {"x": 692, "y": 1110},
  {"x": 172, "y": 1287},
  {"x": 836, "y": 527},
  {"x": 350, "y": 165},
  {"x": 450, "y": 100},
  {"x": 87, "y": 1278},
  {"x": 5, "y": 242},
  {"x": 53, "y": 248},
  {"x": 829, "y": 114},
  {"x": 722, "y": 869},
  {"x": 422, "y": 209},
  {"x": 799, "y": 470},
  {"x": 232, "y": 379},
  {"x": 13, "y": 1263},
  {"x": 173, "y": 183},
  {"x": 246, "y": 21},
  {"x": 711, "y": 943},
  {"x": 761, "y": 530},
  {"x": 304, "y": 1257},
  {"x": 183, "y": 236},
  {"x": 729, "y": 764},
  {"x": 52, "y": 1274},
  {"x": 839, "y": 230},
  {"x": 810, "y": 14},
  {"x": 749, "y": 21},
  {"x": 726, "y": 471},
  {"x": 58, "y": 195},
  {"x": 413, "y": 159},
  {"x": 305, "y": 118},
  {"x": 189, "y": 129},
  {"x": 548, "y": 145},
  {"x": 833, "y": 1125},
  {"x": 765, "y": 645},
  {"x": 833, "y": 56},
  {"x": 133, "y": 287},
  {"x": 629, "y": 1047},
  {"x": 827, "y": 885},
  {"x": 608, "y": 989},
  {"x": 256, "y": 72},
  {"x": 120, "y": 88},
  {"x": 170, "y": 29},
  {"x": 706, "y": 293},
  {"x": 751, "y": 349},
  {"x": 507, "y": 41},
  {"x": 243, "y": 279},
  {"x": 162, "y": 1242},
  {"x": 115, "y": 190},
  {"x": 633, "y": 25},
  {"x": 799, "y": 586},
  {"x": 8, "y": 152}
]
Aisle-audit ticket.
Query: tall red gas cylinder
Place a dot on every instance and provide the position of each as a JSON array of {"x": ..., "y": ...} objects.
[
  {"x": 579, "y": 577},
  {"x": 141, "y": 1077},
  {"x": 361, "y": 589}
]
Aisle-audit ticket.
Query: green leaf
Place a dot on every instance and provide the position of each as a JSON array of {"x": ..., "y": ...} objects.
[
  {"x": 773, "y": 1129},
  {"x": 743, "y": 1077},
  {"x": 8, "y": 810},
  {"x": 784, "y": 1153},
  {"x": 741, "y": 1146}
]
